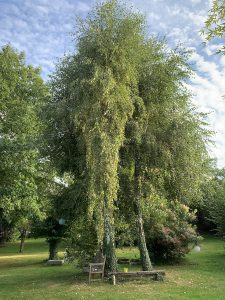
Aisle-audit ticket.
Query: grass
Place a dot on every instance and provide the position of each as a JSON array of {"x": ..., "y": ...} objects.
[{"x": 25, "y": 276}]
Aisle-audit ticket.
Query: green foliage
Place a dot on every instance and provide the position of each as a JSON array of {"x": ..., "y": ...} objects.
[
  {"x": 23, "y": 224},
  {"x": 173, "y": 149},
  {"x": 164, "y": 155},
  {"x": 52, "y": 230},
  {"x": 125, "y": 233},
  {"x": 82, "y": 241},
  {"x": 93, "y": 98},
  {"x": 108, "y": 46},
  {"x": 94, "y": 87},
  {"x": 22, "y": 94},
  {"x": 215, "y": 23},
  {"x": 169, "y": 230},
  {"x": 166, "y": 135},
  {"x": 49, "y": 228},
  {"x": 214, "y": 201}
]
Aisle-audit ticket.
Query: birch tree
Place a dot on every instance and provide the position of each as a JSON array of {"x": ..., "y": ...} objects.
[{"x": 97, "y": 85}]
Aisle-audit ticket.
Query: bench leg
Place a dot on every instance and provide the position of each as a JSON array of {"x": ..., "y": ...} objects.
[
  {"x": 113, "y": 279},
  {"x": 89, "y": 279}
]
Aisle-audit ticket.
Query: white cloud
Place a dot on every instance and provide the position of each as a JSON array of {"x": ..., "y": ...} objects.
[
  {"x": 209, "y": 89},
  {"x": 222, "y": 61},
  {"x": 197, "y": 19},
  {"x": 42, "y": 28}
]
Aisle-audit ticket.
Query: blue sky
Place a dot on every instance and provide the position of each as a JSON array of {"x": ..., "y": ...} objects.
[{"x": 42, "y": 28}]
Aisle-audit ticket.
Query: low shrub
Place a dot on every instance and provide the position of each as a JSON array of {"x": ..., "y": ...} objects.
[{"x": 170, "y": 237}]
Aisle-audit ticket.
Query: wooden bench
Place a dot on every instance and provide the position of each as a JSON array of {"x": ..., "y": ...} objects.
[
  {"x": 156, "y": 275},
  {"x": 96, "y": 267}
]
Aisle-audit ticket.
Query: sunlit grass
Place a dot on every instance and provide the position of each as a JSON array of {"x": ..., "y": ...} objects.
[{"x": 26, "y": 276}]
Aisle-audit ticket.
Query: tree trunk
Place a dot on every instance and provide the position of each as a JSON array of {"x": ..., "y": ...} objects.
[
  {"x": 109, "y": 240},
  {"x": 22, "y": 240},
  {"x": 5, "y": 229},
  {"x": 144, "y": 255},
  {"x": 3, "y": 237},
  {"x": 53, "y": 248}
]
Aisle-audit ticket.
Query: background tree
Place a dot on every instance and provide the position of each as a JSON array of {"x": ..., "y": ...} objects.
[
  {"x": 22, "y": 94},
  {"x": 214, "y": 202}
]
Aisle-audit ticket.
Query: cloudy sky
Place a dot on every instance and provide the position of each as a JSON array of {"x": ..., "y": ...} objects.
[{"x": 42, "y": 28}]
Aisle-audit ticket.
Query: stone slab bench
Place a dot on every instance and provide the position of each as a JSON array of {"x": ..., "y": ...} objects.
[
  {"x": 55, "y": 262},
  {"x": 156, "y": 275}
]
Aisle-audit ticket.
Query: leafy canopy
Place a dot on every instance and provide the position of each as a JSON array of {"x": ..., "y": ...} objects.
[{"x": 21, "y": 96}]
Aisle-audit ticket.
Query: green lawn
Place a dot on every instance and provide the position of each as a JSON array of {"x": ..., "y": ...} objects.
[{"x": 25, "y": 276}]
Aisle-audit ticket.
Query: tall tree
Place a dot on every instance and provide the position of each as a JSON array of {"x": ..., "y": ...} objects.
[
  {"x": 21, "y": 96},
  {"x": 96, "y": 86}
]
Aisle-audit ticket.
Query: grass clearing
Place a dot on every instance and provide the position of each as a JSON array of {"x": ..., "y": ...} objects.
[{"x": 25, "y": 276}]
